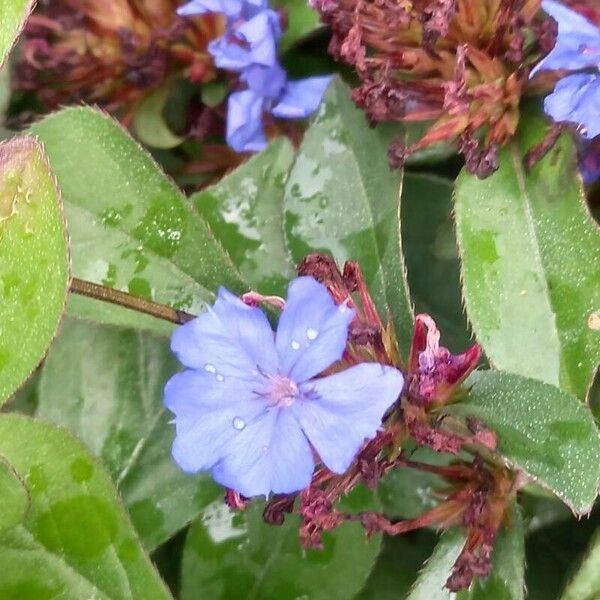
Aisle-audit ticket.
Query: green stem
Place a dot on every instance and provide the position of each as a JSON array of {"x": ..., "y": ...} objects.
[{"x": 106, "y": 294}]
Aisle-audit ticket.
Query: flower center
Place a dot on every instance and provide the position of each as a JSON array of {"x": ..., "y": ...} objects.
[{"x": 282, "y": 391}]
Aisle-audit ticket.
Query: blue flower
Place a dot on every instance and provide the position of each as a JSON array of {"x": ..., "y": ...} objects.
[
  {"x": 250, "y": 408},
  {"x": 269, "y": 91},
  {"x": 577, "y": 43},
  {"x": 251, "y": 35},
  {"x": 576, "y": 96}
]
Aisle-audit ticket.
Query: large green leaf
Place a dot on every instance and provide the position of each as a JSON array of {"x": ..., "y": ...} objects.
[
  {"x": 131, "y": 228},
  {"x": 230, "y": 556},
  {"x": 34, "y": 261},
  {"x": 531, "y": 264},
  {"x": 542, "y": 430},
  {"x": 13, "y": 14},
  {"x": 75, "y": 541},
  {"x": 342, "y": 198},
  {"x": 431, "y": 255},
  {"x": 112, "y": 399},
  {"x": 244, "y": 210}
]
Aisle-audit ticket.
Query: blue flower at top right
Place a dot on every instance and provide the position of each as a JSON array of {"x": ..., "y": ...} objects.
[{"x": 576, "y": 97}]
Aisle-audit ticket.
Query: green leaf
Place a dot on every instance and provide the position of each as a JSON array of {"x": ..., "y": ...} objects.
[
  {"x": 76, "y": 541},
  {"x": 13, "y": 14},
  {"x": 34, "y": 261},
  {"x": 343, "y": 199},
  {"x": 431, "y": 582},
  {"x": 397, "y": 565},
  {"x": 244, "y": 210},
  {"x": 507, "y": 579},
  {"x": 111, "y": 398},
  {"x": 531, "y": 264},
  {"x": 541, "y": 430},
  {"x": 431, "y": 255},
  {"x": 231, "y": 555},
  {"x": 585, "y": 584},
  {"x": 407, "y": 493},
  {"x": 14, "y": 495},
  {"x": 150, "y": 125},
  {"x": 131, "y": 228},
  {"x": 301, "y": 20}
]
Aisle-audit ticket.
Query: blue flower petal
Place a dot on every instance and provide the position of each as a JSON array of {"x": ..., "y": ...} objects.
[
  {"x": 343, "y": 410},
  {"x": 312, "y": 330},
  {"x": 265, "y": 81},
  {"x": 271, "y": 454},
  {"x": 245, "y": 131},
  {"x": 253, "y": 42},
  {"x": 301, "y": 98},
  {"x": 575, "y": 99},
  {"x": 230, "y": 8},
  {"x": 208, "y": 415},
  {"x": 577, "y": 44},
  {"x": 229, "y": 340}
]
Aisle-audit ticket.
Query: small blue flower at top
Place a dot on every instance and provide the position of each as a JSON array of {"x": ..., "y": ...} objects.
[
  {"x": 250, "y": 406},
  {"x": 251, "y": 35},
  {"x": 270, "y": 91},
  {"x": 576, "y": 97}
]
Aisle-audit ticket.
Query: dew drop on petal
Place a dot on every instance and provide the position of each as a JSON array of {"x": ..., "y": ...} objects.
[
  {"x": 311, "y": 333},
  {"x": 295, "y": 345},
  {"x": 210, "y": 368},
  {"x": 220, "y": 378},
  {"x": 238, "y": 423}
]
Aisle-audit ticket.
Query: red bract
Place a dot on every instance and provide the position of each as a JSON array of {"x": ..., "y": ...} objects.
[
  {"x": 463, "y": 64},
  {"x": 434, "y": 373}
]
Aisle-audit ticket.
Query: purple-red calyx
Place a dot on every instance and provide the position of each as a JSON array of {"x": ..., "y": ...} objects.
[{"x": 462, "y": 64}]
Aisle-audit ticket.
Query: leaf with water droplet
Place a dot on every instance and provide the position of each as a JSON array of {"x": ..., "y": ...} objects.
[
  {"x": 342, "y": 198},
  {"x": 236, "y": 555},
  {"x": 13, "y": 14},
  {"x": 531, "y": 263},
  {"x": 131, "y": 228},
  {"x": 111, "y": 398},
  {"x": 34, "y": 261},
  {"x": 75, "y": 541},
  {"x": 244, "y": 210},
  {"x": 542, "y": 430}
]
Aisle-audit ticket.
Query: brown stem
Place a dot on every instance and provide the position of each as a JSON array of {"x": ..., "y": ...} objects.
[{"x": 106, "y": 294}]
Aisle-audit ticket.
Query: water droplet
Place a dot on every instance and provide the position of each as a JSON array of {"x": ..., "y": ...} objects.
[
  {"x": 295, "y": 345},
  {"x": 220, "y": 378},
  {"x": 311, "y": 333},
  {"x": 210, "y": 368},
  {"x": 238, "y": 423}
]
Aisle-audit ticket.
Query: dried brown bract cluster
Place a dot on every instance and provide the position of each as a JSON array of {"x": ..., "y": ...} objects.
[
  {"x": 462, "y": 64},
  {"x": 112, "y": 53}
]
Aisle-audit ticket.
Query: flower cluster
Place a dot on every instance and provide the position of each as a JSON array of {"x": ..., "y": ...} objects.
[
  {"x": 249, "y": 47},
  {"x": 576, "y": 96},
  {"x": 112, "y": 53},
  {"x": 463, "y": 65},
  {"x": 305, "y": 414}
]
